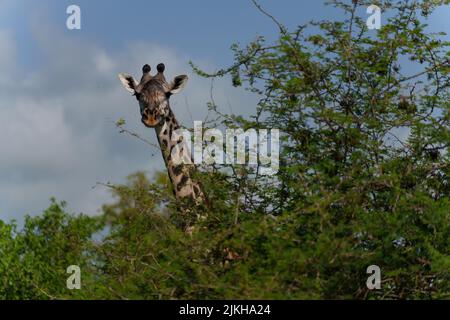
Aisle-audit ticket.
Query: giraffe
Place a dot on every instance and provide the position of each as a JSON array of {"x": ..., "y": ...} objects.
[{"x": 153, "y": 94}]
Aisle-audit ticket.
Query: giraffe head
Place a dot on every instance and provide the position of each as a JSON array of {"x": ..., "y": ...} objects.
[{"x": 153, "y": 93}]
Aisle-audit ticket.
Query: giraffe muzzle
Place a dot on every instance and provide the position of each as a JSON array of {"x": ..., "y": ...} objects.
[{"x": 149, "y": 119}]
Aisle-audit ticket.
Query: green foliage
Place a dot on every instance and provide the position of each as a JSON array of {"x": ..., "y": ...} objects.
[
  {"x": 350, "y": 192},
  {"x": 34, "y": 260}
]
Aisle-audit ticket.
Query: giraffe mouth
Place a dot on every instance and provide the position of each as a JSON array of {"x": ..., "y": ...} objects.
[{"x": 150, "y": 120}]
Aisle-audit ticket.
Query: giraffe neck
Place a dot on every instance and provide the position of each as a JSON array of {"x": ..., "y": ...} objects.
[{"x": 179, "y": 174}]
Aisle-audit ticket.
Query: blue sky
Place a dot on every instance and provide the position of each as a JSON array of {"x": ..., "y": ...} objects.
[
  {"x": 203, "y": 28},
  {"x": 59, "y": 94}
]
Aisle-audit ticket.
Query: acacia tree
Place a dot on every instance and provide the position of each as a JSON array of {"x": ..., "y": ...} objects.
[{"x": 364, "y": 163}]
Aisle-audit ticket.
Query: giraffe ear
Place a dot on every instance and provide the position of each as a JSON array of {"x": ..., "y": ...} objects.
[
  {"x": 177, "y": 84},
  {"x": 128, "y": 82}
]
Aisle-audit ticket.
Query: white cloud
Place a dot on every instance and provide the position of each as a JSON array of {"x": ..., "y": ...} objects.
[
  {"x": 31, "y": 132},
  {"x": 103, "y": 63},
  {"x": 57, "y": 122}
]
